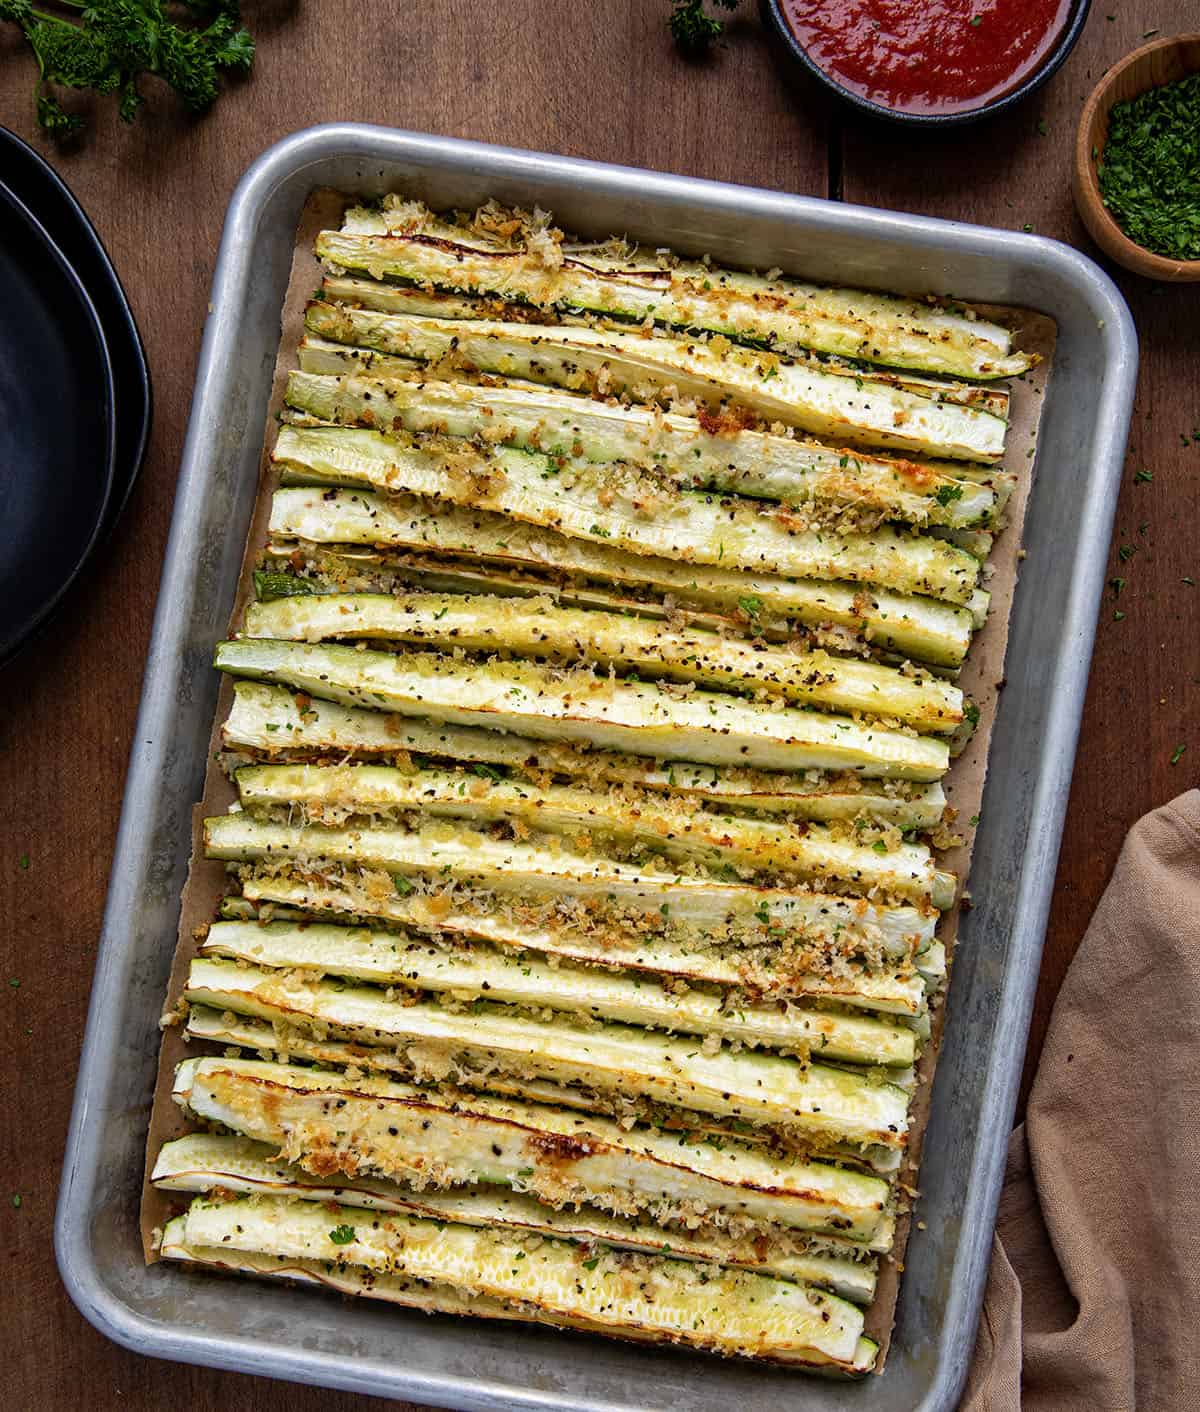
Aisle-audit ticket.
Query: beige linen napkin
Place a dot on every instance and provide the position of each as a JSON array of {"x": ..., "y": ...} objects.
[{"x": 1093, "y": 1299}]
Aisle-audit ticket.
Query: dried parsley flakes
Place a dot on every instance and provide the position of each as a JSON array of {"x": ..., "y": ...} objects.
[{"x": 1150, "y": 172}]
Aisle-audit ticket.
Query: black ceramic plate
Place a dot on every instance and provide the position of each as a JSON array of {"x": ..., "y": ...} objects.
[
  {"x": 57, "y": 425},
  {"x": 33, "y": 181}
]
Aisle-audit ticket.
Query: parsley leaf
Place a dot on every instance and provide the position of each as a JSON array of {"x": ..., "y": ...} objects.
[
  {"x": 342, "y": 1235},
  {"x": 693, "y": 28},
  {"x": 109, "y": 44}
]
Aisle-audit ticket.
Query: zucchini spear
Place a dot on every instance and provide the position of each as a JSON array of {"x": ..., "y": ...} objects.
[
  {"x": 566, "y": 424},
  {"x": 545, "y": 702},
  {"x": 919, "y": 627},
  {"x": 334, "y": 793},
  {"x": 438, "y": 854},
  {"x": 865, "y": 410},
  {"x": 383, "y": 958},
  {"x": 623, "y": 508},
  {"x": 201, "y": 1162},
  {"x": 770, "y": 971},
  {"x": 328, "y": 1123},
  {"x": 288, "y": 1044},
  {"x": 541, "y": 629},
  {"x": 813, "y": 1101},
  {"x": 669, "y": 1301},
  {"x": 779, "y": 312},
  {"x": 273, "y": 723},
  {"x": 430, "y": 1298}
]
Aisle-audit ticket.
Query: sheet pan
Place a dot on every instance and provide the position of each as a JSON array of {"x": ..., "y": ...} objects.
[{"x": 172, "y": 1313}]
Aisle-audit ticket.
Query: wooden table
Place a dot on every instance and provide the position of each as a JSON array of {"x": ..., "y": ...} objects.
[{"x": 594, "y": 80}]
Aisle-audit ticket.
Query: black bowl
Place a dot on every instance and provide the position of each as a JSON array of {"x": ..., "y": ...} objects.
[
  {"x": 772, "y": 11},
  {"x": 34, "y": 182}
]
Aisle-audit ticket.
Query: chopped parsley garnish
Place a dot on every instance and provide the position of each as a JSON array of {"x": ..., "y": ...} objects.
[
  {"x": 946, "y": 493},
  {"x": 402, "y": 885},
  {"x": 342, "y": 1235},
  {"x": 1177, "y": 754},
  {"x": 1149, "y": 171},
  {"x": 1126, "y": 552},
  {"x": 1116, "y": 585},
  {"x": 1144, "y": 476},
  {"x": 487, "y": 772},
  {"x": 23, "y": 861},
  {"x": 751, "y": 606},
  {"x": 879, "y": 846}
]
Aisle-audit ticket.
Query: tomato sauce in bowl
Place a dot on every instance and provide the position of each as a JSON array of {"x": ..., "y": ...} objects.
[{"x": 929, "y": 58}]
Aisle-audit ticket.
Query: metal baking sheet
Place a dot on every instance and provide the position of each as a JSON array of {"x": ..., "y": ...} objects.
[{"x": 173, "y": 1313}]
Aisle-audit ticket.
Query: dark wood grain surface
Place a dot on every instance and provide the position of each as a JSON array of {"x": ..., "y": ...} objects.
[{"x": 596, "y": 80}]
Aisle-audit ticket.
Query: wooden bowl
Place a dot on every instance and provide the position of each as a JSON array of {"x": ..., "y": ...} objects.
[{"x": 1161, "y": 61}]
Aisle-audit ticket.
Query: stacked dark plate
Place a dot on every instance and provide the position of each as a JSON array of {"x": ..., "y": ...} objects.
[{"x": 74, "y": 393}]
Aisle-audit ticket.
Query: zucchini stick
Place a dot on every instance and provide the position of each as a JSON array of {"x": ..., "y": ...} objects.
[
  {"x": 811, "y": 1100},
  {"x": 541, "y": 629},
  {"x": 624, "y": 508},
  {"x": 566, "y": 424},
  {"x": 273, "y": 723},
  {"x": 728, "y": 1311},
  {"x": 446, "y": 853},
  {"x": 201, "y": 1162},
  {"x": 864, "y": 411},
  {"x": 780, "y": 312},
  {"x": 383, "y": 958},
  {"x": 419, "y": 1137},
  {"x": 919, "y": 627},
  {"x": 545, "y": 702},
  {"x": 287, "y": 1043},
  {"x": 773, "y": 971},
  {"x": 332, "y": 794}
]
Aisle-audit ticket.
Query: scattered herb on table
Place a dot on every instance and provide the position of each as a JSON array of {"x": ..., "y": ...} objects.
[
  {"x": 1144, "y": 476},
  {"x": 1150, "y": 169},
  {"x": 1177, "y": 754},
  {"x": 107, "y": 45},
  {"x": 693, "y": 28},
  {"x": 1116, "y": 585}
]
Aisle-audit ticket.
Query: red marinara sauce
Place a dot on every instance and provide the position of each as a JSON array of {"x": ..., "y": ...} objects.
[{"x": 927, "y": 56}]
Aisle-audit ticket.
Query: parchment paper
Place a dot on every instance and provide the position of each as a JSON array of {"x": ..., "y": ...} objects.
[{"x": 982, "y": 679}]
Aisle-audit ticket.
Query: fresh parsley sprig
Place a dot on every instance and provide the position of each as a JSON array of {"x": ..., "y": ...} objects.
[
  {"x": 107, "y": 45},
  {"x": 693, "y": 28}
]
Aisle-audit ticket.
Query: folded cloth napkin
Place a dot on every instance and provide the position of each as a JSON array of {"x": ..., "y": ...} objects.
[{"x": 1094, "y": 1290}]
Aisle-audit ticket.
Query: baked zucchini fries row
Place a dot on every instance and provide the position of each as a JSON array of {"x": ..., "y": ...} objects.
[{"x": 588, "y": 727}]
